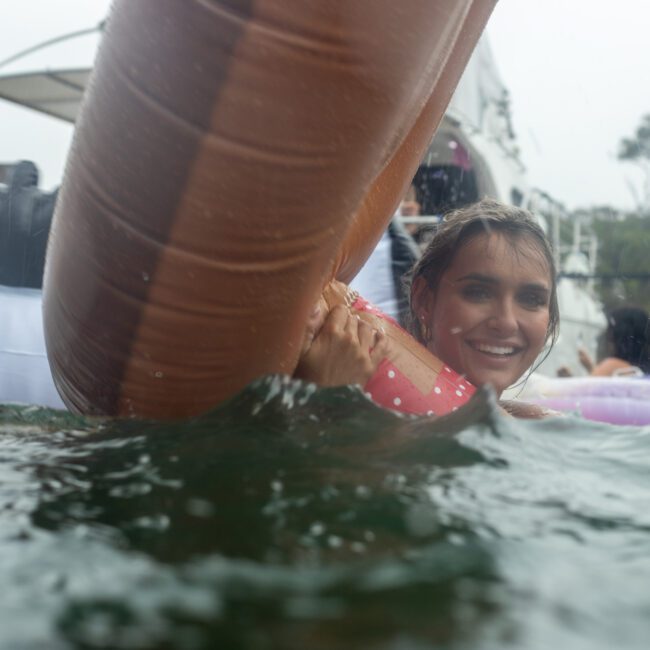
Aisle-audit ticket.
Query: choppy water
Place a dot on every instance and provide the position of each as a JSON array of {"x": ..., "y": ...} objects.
[{"x": 297, "y": 518}]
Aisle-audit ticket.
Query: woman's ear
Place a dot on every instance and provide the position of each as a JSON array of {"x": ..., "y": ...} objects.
[
  {"x": 421, "y": 299},
  {"x": 422, "y": 308}
]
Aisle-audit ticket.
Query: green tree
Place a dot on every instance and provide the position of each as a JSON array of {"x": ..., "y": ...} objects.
[
  {"x": 624, "y": 256},
  {"x": 637, "y": 150}
]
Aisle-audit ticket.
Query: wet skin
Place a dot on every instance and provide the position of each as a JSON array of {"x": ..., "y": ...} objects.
[
  {"x": 489, "y": 318},
  {"x": 339, "y": 348}
]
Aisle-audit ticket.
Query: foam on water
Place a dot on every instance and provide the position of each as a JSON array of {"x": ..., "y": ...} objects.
[{"x": 300, "y": 518}]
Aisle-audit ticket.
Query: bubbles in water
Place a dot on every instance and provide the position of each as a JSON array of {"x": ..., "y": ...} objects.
[
  {"x": 334, "y": 541},
  {"x": 362, "y": 491},
  {"x": 199, "y": 507},
  {"x": 153, "y": 522},
  {"x": 316, "y": 529}
]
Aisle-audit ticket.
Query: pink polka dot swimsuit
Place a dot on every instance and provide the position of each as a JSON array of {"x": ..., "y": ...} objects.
[{"x": 392, "y": 388}]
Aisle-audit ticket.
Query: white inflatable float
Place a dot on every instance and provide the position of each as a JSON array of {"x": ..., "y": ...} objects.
[{"x": 616, "y": 400}]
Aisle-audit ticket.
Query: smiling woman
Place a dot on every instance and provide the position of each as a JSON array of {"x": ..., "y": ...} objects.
[{"x": 483, "y": 296}]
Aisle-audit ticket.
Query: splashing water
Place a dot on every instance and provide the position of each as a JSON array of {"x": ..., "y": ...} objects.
[{"x": 293, "y": 517}]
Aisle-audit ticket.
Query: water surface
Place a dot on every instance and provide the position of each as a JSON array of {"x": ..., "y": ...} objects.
[{"x": 300, "y": 518}]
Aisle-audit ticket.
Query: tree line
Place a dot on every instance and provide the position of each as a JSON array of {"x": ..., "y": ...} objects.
[{"x": 623, "y": 260}]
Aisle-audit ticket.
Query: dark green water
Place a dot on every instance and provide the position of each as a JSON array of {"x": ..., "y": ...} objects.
[{"x": 299, "y": 519}]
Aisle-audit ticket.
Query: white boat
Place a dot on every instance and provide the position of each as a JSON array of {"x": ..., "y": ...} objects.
[{"x": 475, "y": 154}]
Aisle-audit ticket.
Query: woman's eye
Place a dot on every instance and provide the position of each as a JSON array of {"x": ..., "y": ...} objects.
[
  {"x": 476, "y": 292},
  {"x": 532, "y": 300}
]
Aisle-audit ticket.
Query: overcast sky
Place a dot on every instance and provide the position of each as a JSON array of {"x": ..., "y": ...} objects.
[
  {"x": 578, "y": 72},
  {"x": 579, "y": 76}
]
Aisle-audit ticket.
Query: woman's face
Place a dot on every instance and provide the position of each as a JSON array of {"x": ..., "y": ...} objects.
[{"x": 489, "y": 318}]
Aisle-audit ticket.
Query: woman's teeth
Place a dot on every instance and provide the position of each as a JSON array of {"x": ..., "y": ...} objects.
[{"x": 494, "y": 349}]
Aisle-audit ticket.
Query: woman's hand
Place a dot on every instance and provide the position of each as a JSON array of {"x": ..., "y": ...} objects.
[{"x": 346, "y": 350}]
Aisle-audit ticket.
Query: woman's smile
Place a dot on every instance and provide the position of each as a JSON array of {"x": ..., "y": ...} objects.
[{"x": 495, "y": 350}]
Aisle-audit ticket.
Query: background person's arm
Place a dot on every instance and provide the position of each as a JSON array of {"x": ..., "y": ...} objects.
[{"x": 608, "y": 367}]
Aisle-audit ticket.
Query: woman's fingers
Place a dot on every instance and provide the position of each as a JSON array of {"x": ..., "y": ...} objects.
[
  {"x": 351, "y": 329},
  {"x": 367, "y": 335},
  {"x": 346, "y": 350},
  {"x": 380, "y": 349},
  {"x": 338, "y": 319}
]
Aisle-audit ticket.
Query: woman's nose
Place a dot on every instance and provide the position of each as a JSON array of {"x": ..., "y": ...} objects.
[{"x": 504, "y": 318}]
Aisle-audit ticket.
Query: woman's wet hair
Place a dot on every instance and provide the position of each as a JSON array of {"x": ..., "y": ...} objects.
[
  {"x": 628, "y": 332},
  {"x": 461, "y": 226}
]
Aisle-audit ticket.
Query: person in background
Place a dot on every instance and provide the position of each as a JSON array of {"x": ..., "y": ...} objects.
[
  {"x": 409, "y": 207},
  {"x": 25, "y": 218},
  {"x": 381, "y": 279},
  {"x": 421, "y": 230},
  {"x": 627, "y": 345}
]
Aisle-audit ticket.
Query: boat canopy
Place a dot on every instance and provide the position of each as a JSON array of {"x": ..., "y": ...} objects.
[
  {"x": 51, "y": 77},
  {"x": 54, "y": 92}
]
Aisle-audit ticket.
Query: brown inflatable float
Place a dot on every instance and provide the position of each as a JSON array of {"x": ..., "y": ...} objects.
[{"x": 231, "y": 158}]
